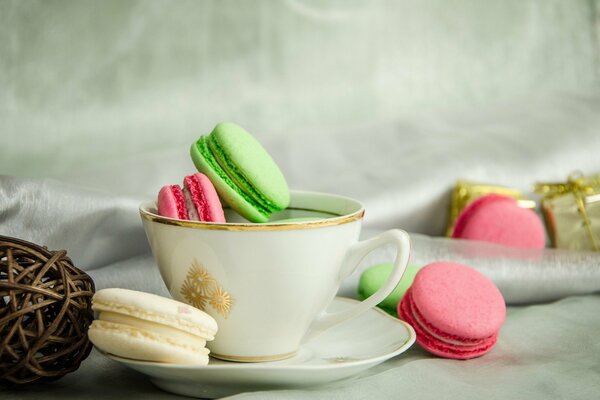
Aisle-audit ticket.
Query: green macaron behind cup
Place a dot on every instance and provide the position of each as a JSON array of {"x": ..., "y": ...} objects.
[
  {"x": 373, "y": 278},
  {"x": 243, "y": 173}
]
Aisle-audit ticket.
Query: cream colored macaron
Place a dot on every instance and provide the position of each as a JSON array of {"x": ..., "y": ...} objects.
[{"x": 144, "y": 326}]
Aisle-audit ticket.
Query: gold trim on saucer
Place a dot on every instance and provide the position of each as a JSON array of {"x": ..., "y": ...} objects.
[
  {"x": 253, "y": 359},
  {"x": 273, "y": 226}
]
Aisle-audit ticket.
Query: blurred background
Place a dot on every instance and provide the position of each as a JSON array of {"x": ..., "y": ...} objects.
[{"x": 387, "y": 101}]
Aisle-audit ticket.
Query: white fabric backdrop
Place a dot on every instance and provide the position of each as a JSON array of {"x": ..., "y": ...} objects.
[{"x": 84, "y": 83}]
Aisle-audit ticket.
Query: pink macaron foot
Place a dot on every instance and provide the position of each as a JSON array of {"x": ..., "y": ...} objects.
[
  {"x": 171, "y": 202},
  {"x": 455, "y": 349},
  {"x": 202, "y": 200}
]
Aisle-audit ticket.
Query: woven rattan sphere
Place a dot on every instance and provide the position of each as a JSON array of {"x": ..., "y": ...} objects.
[{"x": 45, "y": 311}]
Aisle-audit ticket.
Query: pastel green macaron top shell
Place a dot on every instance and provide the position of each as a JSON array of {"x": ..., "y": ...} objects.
[
  {"x": 250, "y": 164},
  {"x": 228, "y": 191},
  {"x": 373, "y": 278},
  {"x": 242, "y": 171}
]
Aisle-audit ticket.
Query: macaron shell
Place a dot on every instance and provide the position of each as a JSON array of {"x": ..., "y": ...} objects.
[
  {"x": 171, "y": 202},
  {"x": 139, "y": 344},
  {"x": 154, "y": 308},
  {"x": 205, "y": 198},
  {"x": 438, "y": 347},
  {"x": 242, "y": 154},
  {"x": 499, "y": 219},
  {"x": 175, "y": 334},
  {"x": 458, "y": 300},
  {"x": 373, "y": 278},
  {"x": 228, "y": 191}
]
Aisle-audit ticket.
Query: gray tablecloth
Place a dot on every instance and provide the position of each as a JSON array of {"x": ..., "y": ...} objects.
[{"x": 544, "y": 351}]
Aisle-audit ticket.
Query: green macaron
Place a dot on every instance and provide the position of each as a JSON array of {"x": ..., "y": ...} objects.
[
  {"x": 244, "y": 174},
  {"x": 373, "y": 278}
]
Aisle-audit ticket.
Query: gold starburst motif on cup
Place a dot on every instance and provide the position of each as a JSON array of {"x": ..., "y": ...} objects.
[
  {"x": 193, "y": 295},
  {"x": 201, "y": 290},
  {"x": 220, "y": 300},
  {"x": 200, "y": 277}
]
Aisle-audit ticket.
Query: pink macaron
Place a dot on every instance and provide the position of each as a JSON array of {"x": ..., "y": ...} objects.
[
  {"x": 196, "y": 201},
  {"x": 455, "y": 310},
  {"x": 499, "y": 219}
]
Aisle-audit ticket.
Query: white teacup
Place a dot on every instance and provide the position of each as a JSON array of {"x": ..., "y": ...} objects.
[{"x": 267, "y": 285}]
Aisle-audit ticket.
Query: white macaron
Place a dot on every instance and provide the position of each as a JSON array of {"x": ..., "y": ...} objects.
[{"x": 144, "y": 326}]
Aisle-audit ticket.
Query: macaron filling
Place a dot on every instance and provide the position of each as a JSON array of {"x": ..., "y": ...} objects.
[
  {"x": 180, "y": 201},
  {"x": 441, "y": 346},
  {"x": 216, "y": 157},
  {"x": 144, "y": 334},
  {"x": 127, "y": 322},
  {"x": 195, "y": 200},
  {"x": 189, "y": 203},
  {"x": 444, "y": 349},
  {"x": 210, "y": 158},
  {"x": 238, "y": 177},
  {"x": 206, "y": 332},
  {"x": 435, "y": 332}
]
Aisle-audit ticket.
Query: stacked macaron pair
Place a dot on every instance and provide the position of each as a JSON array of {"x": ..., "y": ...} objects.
[
  {"x": 233, "y": 167},
  {"x": 455, "y": 310},
  {"x": 146, "y": 327}
]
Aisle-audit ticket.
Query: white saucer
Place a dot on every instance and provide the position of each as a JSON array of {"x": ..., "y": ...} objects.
[{"x": 339, "y": 353}]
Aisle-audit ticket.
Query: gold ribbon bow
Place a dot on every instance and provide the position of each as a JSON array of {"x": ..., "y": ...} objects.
[{"x": 580, "y": 186}]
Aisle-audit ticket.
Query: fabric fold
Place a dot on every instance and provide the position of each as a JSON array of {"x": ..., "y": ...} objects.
[
  {"x": 101, "y": 230},
  {"x": 523, "y": 275},
  {"x": 97, "y": 229}
]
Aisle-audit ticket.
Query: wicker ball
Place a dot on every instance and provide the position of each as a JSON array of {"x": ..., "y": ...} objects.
[{"x": 45, "y": 311}]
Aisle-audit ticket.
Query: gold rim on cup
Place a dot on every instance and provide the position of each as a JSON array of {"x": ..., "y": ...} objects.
[{"x": 335, "y": 219}]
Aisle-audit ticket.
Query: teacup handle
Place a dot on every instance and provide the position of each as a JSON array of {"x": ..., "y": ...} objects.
[{"x": 353, "y": 258}]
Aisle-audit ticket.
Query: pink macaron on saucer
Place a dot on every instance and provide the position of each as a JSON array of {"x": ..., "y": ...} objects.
[
  {"x": 455, "y": 311},
  {"x": 499, "y": 219},
  {"x": 196, "y": 201}
]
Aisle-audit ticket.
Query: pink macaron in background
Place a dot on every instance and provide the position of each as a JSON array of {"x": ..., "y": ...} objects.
[
  {"x": 455, "y": 310},
  {"x": 196, "y": 201},
  {"x": 499, "y": 219}
]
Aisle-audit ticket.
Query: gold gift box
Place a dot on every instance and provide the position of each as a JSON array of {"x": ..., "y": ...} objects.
[
  {"x": 572, "y": 212},
  {"x": 465, "y": 192}
]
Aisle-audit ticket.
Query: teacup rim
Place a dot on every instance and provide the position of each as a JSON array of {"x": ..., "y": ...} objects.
[{"x": 146, "y": 214}]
